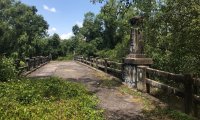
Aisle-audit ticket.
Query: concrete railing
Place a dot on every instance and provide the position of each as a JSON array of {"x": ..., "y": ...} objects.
[
  {"x": 186, "y": 86},
  {"x": 111, "y": 67},
  {"x": 32, "y": 63},
  {"x": 146, "y": 77}
]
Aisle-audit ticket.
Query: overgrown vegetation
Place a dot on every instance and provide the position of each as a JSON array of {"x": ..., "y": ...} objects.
[
  {"x": 49, "y": 98},
  {"x": 7, "y": 69},
  {"x": 171, "y": 33},
  {"x": 170, "y": 29},
  {"x": 110, "y": 83},
  {"x": 153, "y": 110},
  {"x": 23, "y": 33},
  {"x": 66, "y": 58}
]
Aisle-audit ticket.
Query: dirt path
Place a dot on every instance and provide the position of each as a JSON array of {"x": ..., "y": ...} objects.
[{"x": 117, "y": 106}]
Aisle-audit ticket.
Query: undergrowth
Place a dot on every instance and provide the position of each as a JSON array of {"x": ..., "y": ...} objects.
[
  {"x": 110, "y": 83},
  {"x": 152, "y": 110},
  {"x": 7, "y": 69},
  {"x": 66, "y": 58},
  {"x": 47, "y": 99}
]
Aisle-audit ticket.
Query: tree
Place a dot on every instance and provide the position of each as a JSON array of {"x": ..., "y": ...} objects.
[
  {"x": 108, "y": 28},
  {"x": 54, "y": 45},
  {"x": 90, "y": 29},
  {"x": 22, "y": 23},
  {"x": 176, "y": 28},
  {"x": 75, "y": 29}
]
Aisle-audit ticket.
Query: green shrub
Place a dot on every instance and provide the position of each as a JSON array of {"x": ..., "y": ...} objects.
[
  {"x": 67, "y": 57},
  {"x": 121, "y": 50},
  {"x": 47, "y": 99},
  {"x": 86, "y": 49},
  {"x": 22, "y": 63},
  {"x": 7, "y": 69}
]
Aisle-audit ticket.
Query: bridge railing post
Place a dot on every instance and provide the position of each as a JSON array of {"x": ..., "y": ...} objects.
[
  {"x": 145, "y": 86},
  {"x": 31, "y": 63},
  {"x": 45, "y": 59},
  {"x": 101, "y": 62},
  {"x": 97, "y": 62},
  {"x": 84, "y": 59},
  {"x": 93, "y": 61},
  {"x": 17, "y": 64},
  {"x": 106, "y": 65},
  {"x": 122, "y": 69},
  {"x": 87, "y": 60},
  {"x": 27, "y": 63},
  {"x": 188, "y": 82},
  {"x": 34, "y": 62},
  {"x": 148, "y": 87},
  {"x": 195, "y": 91},
  {"x": 40, "y": 60},
  {"x": 90, "y": 60}
]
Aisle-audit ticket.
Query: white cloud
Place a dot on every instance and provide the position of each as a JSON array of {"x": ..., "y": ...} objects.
[
  {"x": 66, "y": 35},
  {"x": 52, "y": 30},
  {"x": 80, "y": 24},
  {"x": 45, "y": 7}
]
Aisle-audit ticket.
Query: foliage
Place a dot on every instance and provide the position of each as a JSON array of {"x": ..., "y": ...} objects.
[
  {"x": 107, "y": 31},
  {"x": 49, "y": 98},
  {"x": 172, "y": 36},
  {"x": 110, "y": 83},
  {"x": 54, "y": 46},
  {"x": 120, "y": 51},
  {"x": 152, "y": 110},
  {"x": 66, "y": 58},
  {"x": 164, "y": 113},
  {"x": 20, "y": 25},
  {"x": 170, "y": 28},
  {"x": 86, "y": 49},
  {"x": 7, "y": 69}
]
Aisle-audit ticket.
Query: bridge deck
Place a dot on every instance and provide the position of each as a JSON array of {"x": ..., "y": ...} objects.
[{"x": 116, "y": 105}]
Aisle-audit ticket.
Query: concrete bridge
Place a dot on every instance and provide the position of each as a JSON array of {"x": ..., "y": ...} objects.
[
  {"x": 116, "y": 104},
  {"x": 134, "y": 71},
  {"x": 89, "y": 71}
]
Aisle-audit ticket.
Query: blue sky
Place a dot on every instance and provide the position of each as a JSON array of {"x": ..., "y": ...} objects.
[{"x": 61, "y": 15}]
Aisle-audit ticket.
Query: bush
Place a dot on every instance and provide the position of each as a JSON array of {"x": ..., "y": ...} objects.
[
  {"x": 70, "y": 56},
  {"x": 86, "y": 49},
  {"x": 44, "y": 99},
  {"x": 7, "y": 69},
  {"x": 121, "y": 50}
]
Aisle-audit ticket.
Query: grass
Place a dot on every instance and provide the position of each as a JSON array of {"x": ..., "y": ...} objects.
[
  {"x": 152, "y": 110},
  {"x": 110, "y": 83},
  {"x": 66, "y": 58},
  {"x": 47, "y": 99}
]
